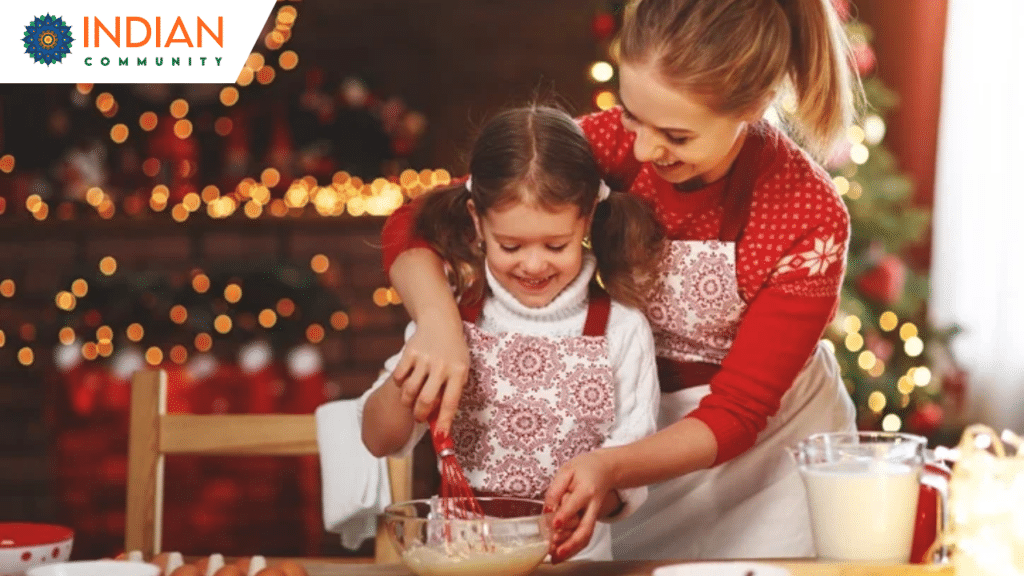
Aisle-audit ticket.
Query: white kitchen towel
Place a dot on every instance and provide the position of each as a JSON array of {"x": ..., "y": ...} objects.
[{"x": 354, "y": 483}]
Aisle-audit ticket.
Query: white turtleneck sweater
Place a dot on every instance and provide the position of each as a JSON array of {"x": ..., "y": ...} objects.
[{"x": 631, "y": 350}]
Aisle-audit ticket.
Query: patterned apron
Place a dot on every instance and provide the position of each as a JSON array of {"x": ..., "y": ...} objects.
[
  {"x": 754, "y": 505},
  {"x": 532, "y": 403}
]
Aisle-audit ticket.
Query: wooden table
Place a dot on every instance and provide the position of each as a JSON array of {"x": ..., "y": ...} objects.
[{"x": 325, "y": 567}]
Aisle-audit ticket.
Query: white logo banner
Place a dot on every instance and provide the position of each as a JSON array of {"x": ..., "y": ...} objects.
[{"x": 128, "y": 41}]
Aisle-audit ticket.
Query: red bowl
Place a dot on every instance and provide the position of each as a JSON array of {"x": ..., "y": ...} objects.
[{"x": 24, "y": 545}]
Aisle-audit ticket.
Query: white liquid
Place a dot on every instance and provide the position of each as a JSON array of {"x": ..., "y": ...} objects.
[
  {"x": 502, "y": 561},
  {"x": 863, "y": 511}
]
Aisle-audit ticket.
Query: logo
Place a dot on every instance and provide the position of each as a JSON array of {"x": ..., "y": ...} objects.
[{"x": 47, "y": 39}]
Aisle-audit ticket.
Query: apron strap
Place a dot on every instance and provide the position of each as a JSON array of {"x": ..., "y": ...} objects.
[
  {"x": 470, "y": 311},
  {"x": 739, "y": 188},
  {"x": 598, "y": 309},
  {"x": 674, "y": 375}
]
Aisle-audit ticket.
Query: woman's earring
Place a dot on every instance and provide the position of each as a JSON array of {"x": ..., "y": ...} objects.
[
  {"x": 480, "y": 246},
  {"x": 586, "y": 242}
]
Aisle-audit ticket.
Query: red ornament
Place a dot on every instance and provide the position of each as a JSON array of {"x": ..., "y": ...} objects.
[
  {"x": 926, "y": 419},
  {"x": 884, "y": 282},
  {"x": 864, "y": 58},
  {"x": 603, "y": 26}
]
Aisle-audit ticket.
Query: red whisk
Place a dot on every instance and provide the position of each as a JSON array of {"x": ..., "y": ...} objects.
[{"x": 457, "y": 498}]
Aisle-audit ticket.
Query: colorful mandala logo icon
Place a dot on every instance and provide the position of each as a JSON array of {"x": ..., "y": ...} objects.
[{"x": 48, "y": 39}]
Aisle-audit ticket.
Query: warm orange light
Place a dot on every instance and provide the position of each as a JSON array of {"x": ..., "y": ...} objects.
[
  {"x": 233, "y": 293},
  {"x": 66, "y": 335},
  {"x": 201, "y": 283},
  {"x": 285, "y": 307},
  {"x": 104, "y": 102},
  {"x": 229, "y": 96},
  {"x": 7, "y": 288},
  {"x": 245, "y": 77},
  {"x": 288, "y": 59},
  {"x": 65, "y": 301},
  {"x": 119, "y": 133},
  {"x": 203, "y": 342},
  {"x": 315, "y": 333},
  {"x": 89, "y": 351},
  {"x": 26, "y": 357},
  {"x": 104, "y": 334},
  {"x": 183, "y": 129},
  {"x": 339, "y": 320},
  {"x": 178, "y": 354},
  {"x": 154, "y": 355},
  {"x": 178, "y": 314},
  {"x": 179, "y": 108},
  {"x": 270, "y": 177},
  {"x": 222, "y": 324},
  {"x": 266, "y": 75},
  {"x": 108, "y": 265},
  {"x": 80, "y": 287},
  {"x": 255, "y": 61},
  {"x": 319, "y": 263},
  {"x": 135, "y": 332},
  {"x": 7, "y": 163},
  {"x": 267, "y": 318},
  {"x": 148, "y": 121}
]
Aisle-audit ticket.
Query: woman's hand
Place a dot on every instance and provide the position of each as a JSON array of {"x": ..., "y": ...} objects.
[
  {"x": 433, "y": 370},
  {"x": 580, "y": 493}
]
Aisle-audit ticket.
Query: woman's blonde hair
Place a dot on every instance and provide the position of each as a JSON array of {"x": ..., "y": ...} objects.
[{"x": 741, "y": 54}]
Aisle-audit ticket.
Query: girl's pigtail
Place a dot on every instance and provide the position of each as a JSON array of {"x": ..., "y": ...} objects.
[
  {"x": 627, "y": 241},
  {"x": 443, "y": 220}
]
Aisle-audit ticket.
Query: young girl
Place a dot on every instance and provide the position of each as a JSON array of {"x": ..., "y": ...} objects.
[
  {"x": 758, "y": 246},
  {"x": 557, "y": 368}
]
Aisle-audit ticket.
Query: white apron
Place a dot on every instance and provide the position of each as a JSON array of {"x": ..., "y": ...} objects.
[
  {"x": 531, "y": 404},
  {"x": 754, "y": 505}
]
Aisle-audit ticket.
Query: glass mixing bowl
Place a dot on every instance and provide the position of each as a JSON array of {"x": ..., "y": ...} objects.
[{"x": 510, "y": 540}]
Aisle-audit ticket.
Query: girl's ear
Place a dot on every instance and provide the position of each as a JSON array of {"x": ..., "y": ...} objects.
[{"x": 471, "y": 207}]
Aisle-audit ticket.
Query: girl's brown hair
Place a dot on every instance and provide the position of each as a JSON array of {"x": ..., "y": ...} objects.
[
  {"x": 738, "y": 54},
  {"x": 538, "y": 155}
]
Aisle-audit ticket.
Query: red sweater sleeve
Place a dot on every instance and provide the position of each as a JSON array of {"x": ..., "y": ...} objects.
[{"x": 772, "y": 345}]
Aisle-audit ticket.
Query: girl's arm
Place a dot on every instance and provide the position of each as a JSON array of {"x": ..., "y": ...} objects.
[
  {"x": 435, "y": 362},
  {"x": 387, "y": 425},
  {"x": 385, "y": 418}
]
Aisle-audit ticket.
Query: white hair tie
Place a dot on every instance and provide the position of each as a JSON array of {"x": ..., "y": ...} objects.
[{"x": 468, "y": 183}]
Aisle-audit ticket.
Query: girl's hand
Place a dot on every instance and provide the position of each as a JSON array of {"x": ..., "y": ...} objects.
[
  {"x": 433, "y": 370},
  {"x": 580, "y": 493}
]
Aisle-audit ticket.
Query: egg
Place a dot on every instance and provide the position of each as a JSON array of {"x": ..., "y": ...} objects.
[
  {"x": 290, "y": 568},
  {"x": 229, "y": 570},
  {"x": 161, "y": 561},
  {"x": 186, "y": 570}
]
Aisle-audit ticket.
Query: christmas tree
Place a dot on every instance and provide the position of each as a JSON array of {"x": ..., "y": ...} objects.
[{"x": 897, "y": 367}]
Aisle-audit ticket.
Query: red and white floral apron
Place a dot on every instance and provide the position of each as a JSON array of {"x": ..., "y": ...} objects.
[
  {"x": 754, "y": 505},
  {"x": 532, "y": 403}
]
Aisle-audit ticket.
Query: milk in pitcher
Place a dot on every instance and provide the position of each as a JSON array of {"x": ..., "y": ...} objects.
[{"x": 863, "y": 510}]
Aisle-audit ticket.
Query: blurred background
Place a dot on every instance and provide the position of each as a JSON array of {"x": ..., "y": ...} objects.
[{"x": 230, "y": 234}]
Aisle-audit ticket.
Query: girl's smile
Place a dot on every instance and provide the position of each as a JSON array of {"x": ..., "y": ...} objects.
[{"x": 532, "y": 252}]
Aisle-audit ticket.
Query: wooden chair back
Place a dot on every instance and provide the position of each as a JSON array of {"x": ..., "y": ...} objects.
[{"x": 153, "y": 433}]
